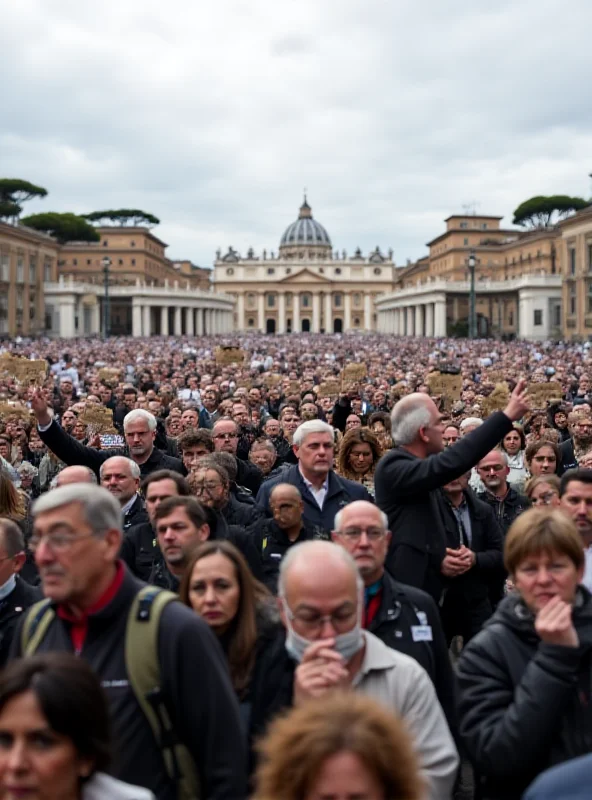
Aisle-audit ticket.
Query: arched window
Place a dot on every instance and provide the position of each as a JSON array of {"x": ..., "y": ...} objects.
[
  {"x": 306, "y": 302},
  {"x": 338, "y": 299}
]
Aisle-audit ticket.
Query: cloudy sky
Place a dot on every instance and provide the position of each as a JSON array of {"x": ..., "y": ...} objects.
[{"x": 215, "y": 115}]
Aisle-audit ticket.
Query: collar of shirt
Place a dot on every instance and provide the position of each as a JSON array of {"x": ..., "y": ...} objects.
[
  {"x": 318, "y": 494},
  {"x": 128, "y": 505}
]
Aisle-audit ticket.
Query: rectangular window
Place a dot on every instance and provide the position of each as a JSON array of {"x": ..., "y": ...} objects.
[
  {"x": 32, "y": 273},
  {"x": 270, "y": 300},
  {"x": 590, "y": 258},
  {"x": 337, "y": 299},
  {"x": 589, "y": 300},
  {"x": 538, "y": 316},
  {"x": 47, "y": 272},
  {"x": 557, "y": 316},
  {"x": 510, "y": 317},
  {"x": 20, "y": 269},
  {"x": 465, "y": 242},
  {"x": 19, "y": 299},
  {"x": 572, "y": 260},
  {"x": 5, "y": 267},
  {"x": 464, "y": 225},
  {"x": 572, "y": 300}
]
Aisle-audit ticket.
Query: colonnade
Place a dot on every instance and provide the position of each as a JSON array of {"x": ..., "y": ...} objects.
[
  {"x": 420, "y": 319},
  {"x": 184, "y": 320},
  {"x": 317, "y": 309}
]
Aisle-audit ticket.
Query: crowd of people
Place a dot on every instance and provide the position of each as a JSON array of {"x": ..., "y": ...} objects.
[{"x": 237, "y": 567}]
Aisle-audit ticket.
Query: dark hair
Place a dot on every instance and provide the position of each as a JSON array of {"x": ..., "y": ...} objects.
[
  {"x": 167, "y": 474},
  {"x": 519, "y": 430},
  {"x": 534, "y": 447},
  {"x": 70, "y": 697},
  {"x": 581, "y": 475},
  {"x": 193, "y": 508},
  {"x": 130, "y": 390},
  {"x": 193, "y": 437},
  {"x": 380, "y": 416},
  {"x": 241, "y": 637},
  {"x": 350, "y": 439},
  {"x": 12, "y": 537}
]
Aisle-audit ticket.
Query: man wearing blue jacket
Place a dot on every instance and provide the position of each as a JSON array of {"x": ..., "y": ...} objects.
[{"x": 323, "y": 492}]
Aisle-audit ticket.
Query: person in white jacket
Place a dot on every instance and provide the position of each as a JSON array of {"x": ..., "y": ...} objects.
[{"x": 321, "y": 605}]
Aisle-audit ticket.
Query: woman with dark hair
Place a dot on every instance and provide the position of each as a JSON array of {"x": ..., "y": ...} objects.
[
  {"x": 380, "y": 425},
  {"x": 220, "y": 587},
  {"x": 344, "y": 746},
  {"x": 514, "y": 445},
  {"x": 359, "y": 454},
  {"x": 542, "y": 458},
  {"x": 55, "y": 738}
]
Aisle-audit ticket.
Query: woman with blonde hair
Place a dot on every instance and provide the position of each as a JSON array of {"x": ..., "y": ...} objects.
[
  {"x": 343, "y": 746},
  {"x": 525, "y": 678},
  {"x": 359, "y": 454}
]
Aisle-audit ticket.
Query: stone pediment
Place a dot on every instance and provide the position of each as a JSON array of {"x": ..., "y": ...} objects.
[{"x": 304, "y": 275}]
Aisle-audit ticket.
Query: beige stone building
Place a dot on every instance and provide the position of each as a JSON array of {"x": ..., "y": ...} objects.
[
  {"x": 576, "y": 254},
  {"x": 306, "y": 286},
  {"x": 28, "y": 260},
  {"x": 517, "y": 282}
]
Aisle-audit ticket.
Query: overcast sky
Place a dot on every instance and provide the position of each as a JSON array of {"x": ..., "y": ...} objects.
[{"x": 215, "y": 115}]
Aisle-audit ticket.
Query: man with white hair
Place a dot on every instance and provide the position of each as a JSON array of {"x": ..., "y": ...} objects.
[
  {"x": 401, "y": 616},
  {"x": 121, "y": 476},
  {"x": 74, "y": 474},
  {"x": 139, "y": 427},
  {"x": 408, "y": 478},
  {"x": 322, "y": 491},
  {"x": 326, "y": 648}
]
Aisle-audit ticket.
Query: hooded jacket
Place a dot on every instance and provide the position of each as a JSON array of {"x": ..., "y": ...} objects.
[{"x": 524, "y": 704}]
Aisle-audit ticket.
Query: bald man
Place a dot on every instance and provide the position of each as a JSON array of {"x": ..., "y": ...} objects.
[
  {"x": 287, "y": 527},
  {"x": 121, "y": 476},
  {"x": 409, "y": 479},
  {"x": 75, "y": 474},
  {"x": 326, "y": 648}
]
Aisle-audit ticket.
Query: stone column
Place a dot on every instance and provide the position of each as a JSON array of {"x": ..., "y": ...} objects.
[
  {"x": 240, "y": 308},
  {"x": 346, "y": 311},
  {"x": 189, "y": 326},
  {"x": 164, "y": 321},
  {"x": 199, "y": 320},
  {"x": 367, "y": 312},
  {"x": 147, "y": 321},
  {"x": 418, "y": 320},
  {"x": 261, "y": 312},
  {"x": 136, "y": 318},
  {"x": 328, "y": 313},
  {"x": 177, "y": 320},
  {"x": 296, "y": 313},
  {"x": 95, "y": 318},
  {"x": 316, "y": 312},
  {"x": 281, "y": 328},
  {"x": 429, "y": 309},
  {"x": 409, "y": 329},
  {"x": 440, "y": 318},
  {"x": 67, "y": 317}
]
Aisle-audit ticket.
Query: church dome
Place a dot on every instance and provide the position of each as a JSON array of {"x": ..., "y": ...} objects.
[{"x": 306, "y": 233}]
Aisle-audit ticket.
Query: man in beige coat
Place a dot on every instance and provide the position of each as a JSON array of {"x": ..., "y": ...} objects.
[{"x": 321, "y": 600}]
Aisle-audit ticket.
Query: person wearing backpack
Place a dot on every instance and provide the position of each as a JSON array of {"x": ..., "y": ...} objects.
[{"x": 176, "y": 720}]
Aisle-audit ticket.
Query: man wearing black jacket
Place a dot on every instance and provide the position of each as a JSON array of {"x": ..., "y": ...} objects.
[
  {"x": 121, "y": 477},
  {"x": 474, "y": 562},
  {"x": 16, "y": 595},
  {"x": 408, "y": 477},
  {"x": 181, "y": 525},
  {"x": 140, "y": 431},
  {"x": 226, "y": 438},
  {"x": 506, "y": 502},
  {"x": 76, "y": 536},
  {"x": 403, "y": 617}
]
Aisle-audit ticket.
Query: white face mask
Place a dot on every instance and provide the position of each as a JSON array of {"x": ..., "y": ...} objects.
[{"x": 346, "y": 644}]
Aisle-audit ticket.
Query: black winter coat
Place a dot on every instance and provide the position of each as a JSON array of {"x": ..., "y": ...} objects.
[
  {"x": 406, "y": 490},
  {"x": 524, "y": 705},
  {"x": 22, "y": 597},
  {"x": 508, "y": 509}
]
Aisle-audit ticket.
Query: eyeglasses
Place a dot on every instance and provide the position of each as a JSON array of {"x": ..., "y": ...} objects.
[
  {"x": 313, "y": 621},
  {"x": 544, "y": 499},
  {"x": 225, "y": 436},
  {"x": 58, "y": 542},
  {"x": 355, "y": 534},
  {"x": 206, "y": 488}
]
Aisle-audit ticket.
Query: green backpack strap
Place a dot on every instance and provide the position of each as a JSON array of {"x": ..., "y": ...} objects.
[
  {"x": 37, "y": 621},
  {"x": 143, "y": 671}
]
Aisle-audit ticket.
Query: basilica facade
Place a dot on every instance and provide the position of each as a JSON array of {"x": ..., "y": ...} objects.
[{"x": 307, "y": 286}]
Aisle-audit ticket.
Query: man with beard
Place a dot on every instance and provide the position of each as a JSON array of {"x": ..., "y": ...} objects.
[
  {"x": 573, "y": 449},
  {"x": 226, "y": 438},
  {"x": 181, "y": 524},
  {"x": 121, "y": 477},
  {"x": 576, "y": 502},
  {"x": 503, "y": 498}
]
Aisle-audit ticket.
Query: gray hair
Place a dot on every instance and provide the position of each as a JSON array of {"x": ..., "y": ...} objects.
[
  {"x": 407, "y": 421},
  {"x": 101, "y": 510},
  {"x": 265, "y": 444},
  {"x": 26, "y": 468},
  {"x": 12, "y": 537},
  {"x": 339, "y": 516},
  {"x": 137, "y": 415},
  {"x": 312, "y": 426},
  {"x": 469, "y": 421},
  {"x": 314, "y": 549},
  {"x": 132, "y": 466},
  {"x": 502, "y": 453}
]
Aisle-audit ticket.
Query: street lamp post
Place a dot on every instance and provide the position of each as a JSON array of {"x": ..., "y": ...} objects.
[
  {"x": 472, "y": 261},
  {"x": 106, "y": 264}
]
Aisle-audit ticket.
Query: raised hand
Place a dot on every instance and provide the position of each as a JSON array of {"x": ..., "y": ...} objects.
[
  {"x": 40, "y": 408},
  {"x": 518, "y": 404},
  {"x": 554, "y": 623}
]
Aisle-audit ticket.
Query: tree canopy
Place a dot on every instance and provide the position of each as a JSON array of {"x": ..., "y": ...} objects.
[
  {"x": 13, "y": 192},
  {"x": 538, "y": 212},
  {"x": 123, "y": 216},
  {"x": 64, "y": 227}
]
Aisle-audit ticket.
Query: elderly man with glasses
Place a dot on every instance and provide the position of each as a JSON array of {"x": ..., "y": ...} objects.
[{"x": 226, "y": 436}]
